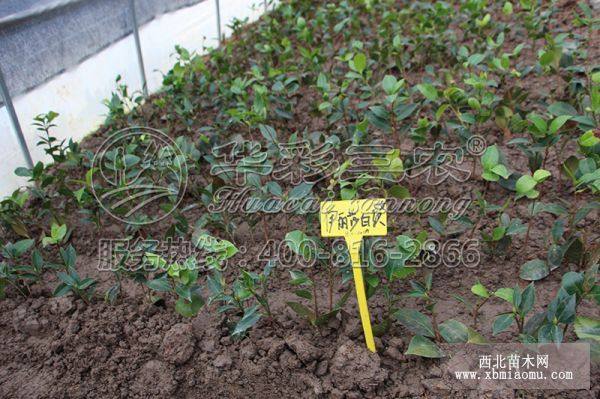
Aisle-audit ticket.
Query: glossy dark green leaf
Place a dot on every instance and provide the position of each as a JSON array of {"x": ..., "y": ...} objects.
[
  {"x": 424, "y": 347},
  {"x": 502, "y": 322},
  {"x": 534, "y": 270},
  {"x": 415, "y": 321},
  {"x": 453, "y": 331}
]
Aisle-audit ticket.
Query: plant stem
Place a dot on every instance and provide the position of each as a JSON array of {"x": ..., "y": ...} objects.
[
  {"x": 330, "y": 276},
  {"x": 436, "y": 329},
  {"x": 485, "y": 189},
  {"x": 315, "y": 302},
  {"x": 264, "y": 225},
  {"x": 529, "y": 225},
  {"x": 475, "y": 311},
  {"x": 17, "y": 288},
  {"x": 545, "y": 157}
]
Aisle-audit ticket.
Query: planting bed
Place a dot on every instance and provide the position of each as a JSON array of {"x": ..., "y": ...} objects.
[{"x": 524, "y": 77}]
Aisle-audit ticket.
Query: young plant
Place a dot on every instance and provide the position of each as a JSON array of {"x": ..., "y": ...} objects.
[
  {"x": 493, "y": 164},
  {"x": 396, "y": 261},
  {"x": 522, "y": 302},
  {"x": 12, "y": 213},
  {"x": 18, "y": 272},
  {"x": 427, "y": 330},
  {"x": 179, "y": 280},
  {"x": 52, "y": 147},
  {"x": 501, "y": 235},
  {"x": 71, "y": 282},
  {"x": 525, "y": 187},
  {"x": 236, "y": 298},
  {"x": 309, "y": 250},
  {"x": 258, "y": 286},
  {"x": 58, "y": 235}
]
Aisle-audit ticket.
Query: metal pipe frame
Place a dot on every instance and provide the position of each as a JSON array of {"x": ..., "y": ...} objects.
[
  {"x": 15, "y": 121},
  {"x": 218, "y": 20},
  {"x": 138, "y": 47}
]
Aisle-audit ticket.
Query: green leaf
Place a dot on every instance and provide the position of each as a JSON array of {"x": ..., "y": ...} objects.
[
  {"x": 489, "y": 176},
  {"x": 498, "y": 233},
  {"x": 474, "y": 337},
  {"x": 588, "y": 139},
  {"x": 37, "y": 260},
  {"x": 302, "y": 310},
  {"x": 303, "y": 294},
  {"x": 69, "y": 256},
  {"x": 156, "y": 261},
  {"x": 436, "y": 225},
  {"x": 250, "y": 318},
  {"x": 505, "y": 293},
  {"x": 46, "y": 241},
  {"x": 490, "y": 157},
  {"x": 403, "y": 111},
  {"x": 525, "y": 184},
  {"x": 67, "y": 279},
  {"x": 189, "y": 308},
  {"x": 424, "y": 347},
  {"x": 479, "y": 290},
  {"x": 360, "y": 62},
  {"x": 300, "y": 244},
  {"x": 527, "y": 299},
  {"x": 440, "y": 111},
  {"x": 299, "y": 278},
  {"x": 538, "y": 122},
  {"x": 454, "y": 331},
  {"x": 268, "y": 133},
  {"x": 62, "y": 290},
  {"x": 300, "y": 191},
  {"x": 502, "y": 322},
  {"x": 555, "y": 209},
  {"x": 22, "y": 246},
  {"x": 112, "y": 294},
  {"x": 389, "y": 84},
  {"x": 572, "y": 282},
  {"x": 415, "y": 321},
  {"x": 23, "y": 172},
  {"x": 534, "y": 270},
  {"x": 398, "y": 191},
  {"x": 558, "y": 122},
  {"x": 587, "y": 328},
  {"x": 86, "y": 282},
  {"x": 159, "y": 284},
  {"x": 342, "y": 300},
  {"x": 501, "y": 170},
  {"x": 58, "y": 232},
  {"x": 428, "y": 90},
  {"x": 560, "y": 108},
  {"x": 550, "y": 333},
  {"x": 475, "y": 59}
]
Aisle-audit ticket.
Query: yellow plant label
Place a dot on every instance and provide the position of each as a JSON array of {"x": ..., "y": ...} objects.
[{"x": 353, "y": 220}]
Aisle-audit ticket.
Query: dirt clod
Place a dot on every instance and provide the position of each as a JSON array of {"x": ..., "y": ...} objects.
[
  {"x": 155, "y": 379},
  {"x": 61, "y": 305},
  {"x": 178, "y": 344},
  {"x": 223, "y": 361},
  {"x": 305, "y": 351},
  {"x": 353, "y": 366}
]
